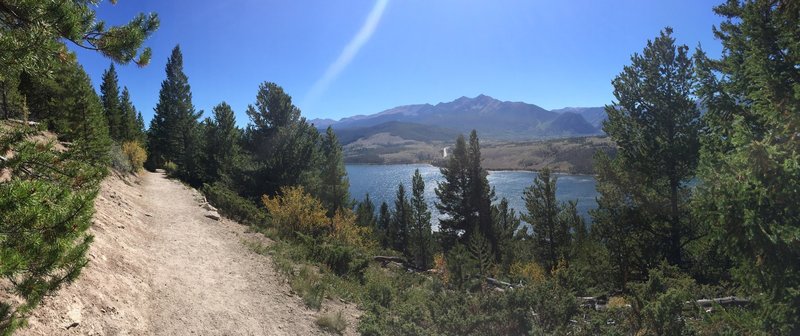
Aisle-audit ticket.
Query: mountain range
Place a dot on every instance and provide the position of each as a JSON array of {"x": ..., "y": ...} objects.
[{"x": 492, "y": 118}]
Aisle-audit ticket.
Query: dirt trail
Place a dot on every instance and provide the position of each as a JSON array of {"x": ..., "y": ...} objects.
[{"x": 158, "y": 266}]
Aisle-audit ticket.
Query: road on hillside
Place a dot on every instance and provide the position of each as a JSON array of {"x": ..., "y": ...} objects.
[{"x": 158, "y": 266}]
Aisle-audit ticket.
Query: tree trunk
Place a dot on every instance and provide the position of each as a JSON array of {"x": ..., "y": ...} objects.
[{"x": 674, "y": 253}]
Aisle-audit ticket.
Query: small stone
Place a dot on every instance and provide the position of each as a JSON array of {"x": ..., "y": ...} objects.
[{"x": 213, "y": 215}]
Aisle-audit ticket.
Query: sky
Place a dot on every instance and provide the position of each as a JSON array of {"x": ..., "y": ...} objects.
[{"x": 343, "y": 58}]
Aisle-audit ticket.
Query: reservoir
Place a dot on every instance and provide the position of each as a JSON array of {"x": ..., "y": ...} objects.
[{"x": 381, "y": 181}]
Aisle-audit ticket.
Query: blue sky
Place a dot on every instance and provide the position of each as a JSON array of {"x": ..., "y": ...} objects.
[{"x": 343, "y": 58}]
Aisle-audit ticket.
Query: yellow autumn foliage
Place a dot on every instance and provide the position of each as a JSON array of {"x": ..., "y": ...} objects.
[
  {"x": 440, "y": 265},
  {"x": 135, "y": 153},
  {"x": 530, "y": 272},
  {"x": 346, "y": 231},
  {"x": 295, "y": 211}
]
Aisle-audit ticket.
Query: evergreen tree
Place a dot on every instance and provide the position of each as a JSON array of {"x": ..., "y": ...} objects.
[
  {"x": 129, "y": 127},
  {"x": 282, "y": 143},
  {"x": 551, "y": 230},
  {"x": 335, "y": 186},
  {"x": 480, "y": 193},
  {"x": 464, "y": 195},
  {"x": 365, "y": 213},
  {"x": 67, "y": 104},
  {"x": 506, "y": 224},
  {"x": 173, "y": 128},
  {"x": 420, "y": 237},
  {"x": 222, "y": 143},
  {"x": 397, "y": 232},
  {"x": 749, "y": 168},
  {"x": 141, "y": 132},
  {"x": 33, "y": 32},
  {"x": 655, "y": 124},
  {"x": 109, "y": 92},
  {"x": 384, "y": 224}
]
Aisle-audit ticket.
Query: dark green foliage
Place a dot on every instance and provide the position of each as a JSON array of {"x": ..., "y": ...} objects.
[
  {"x": 131, "y": 130},
  {"x": 365, "y": 213},
  {"x": 174, "y": 134},
  {"x": 750, "y": 170},
  {"x": 31, "y": 34},
  {"x": 110, "y": 95},
  {"x": 464, "y": 195},
  {"x": 67, "y": 104},
  {"x": 420, "y": 240},
  {"x": 643, "y": 215},
  {"x": 398, "y": 230},
  {"x": 234, "y": 206},
  {"x": 553, "y": 223},
  {"x": 334, "y": 185},
  {"x": 506, "y": 224},
  {"x": 45, "y": 210},
  {"x": 481, "y": 253},
  {"x": 283, "y": 145},
  {"x": 222, "y": 149},
  {"x": 383, "y": 224}
]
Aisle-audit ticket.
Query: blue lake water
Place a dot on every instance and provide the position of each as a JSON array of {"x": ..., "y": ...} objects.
[{"x": 381, "y": 181}]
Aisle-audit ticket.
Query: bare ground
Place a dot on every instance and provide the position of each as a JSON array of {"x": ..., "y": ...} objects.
[{"x": 158, "y": 266}]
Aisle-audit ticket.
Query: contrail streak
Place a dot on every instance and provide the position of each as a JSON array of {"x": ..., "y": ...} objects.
[{"x": 349, "y": 52}]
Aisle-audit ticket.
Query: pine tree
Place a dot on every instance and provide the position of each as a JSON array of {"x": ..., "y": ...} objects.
[
  {"x": 655, "y": 124},
  {"x": 283, "y": 144},
  {"x": 33, "y": 32},
  {"x": 365, "y": 213},
  {"x": 397, "y": 232},
  {"x": 129, "y": 129},
  {"x": 749, "y": 168},
  {"x": 174, "y": 125},
  {"x": 506, "y": 224},
  {"x": 222, "y": 147},
  {"x": 335, "y": 186},
  {"x": 383, "y": 225},
  {"x": 464, "y": 195},
  {"x": 551, "y": 230},
  {"x": 109, "y": 92},
  {"x": 141, "y": 132},
  {"x": 420, "y": 237}
]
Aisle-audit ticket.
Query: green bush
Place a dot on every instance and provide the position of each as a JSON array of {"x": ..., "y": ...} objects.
[
  {"x": 120, "y": 161},
  {"x": 342, "y": 259},
  {"x": 45, "y": 209},
  {"x": 234, "y": 206},
  {"x": 170, "y": 168}
]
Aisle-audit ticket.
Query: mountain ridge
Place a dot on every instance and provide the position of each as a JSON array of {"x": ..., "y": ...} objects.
[{"x": 492, "y": 118}]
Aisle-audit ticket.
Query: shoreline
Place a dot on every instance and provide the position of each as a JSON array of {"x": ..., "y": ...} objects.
[{"x": 556, "y": 171}]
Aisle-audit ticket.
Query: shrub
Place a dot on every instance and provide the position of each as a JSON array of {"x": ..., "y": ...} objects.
[
  {"x": 341, "y": 258},
  {"x": 234, "y": 206},
  {"x": 120, "y": 161},
  {"x": 170, "y": 168},
  {"x": 296, "y": 211},
  {"x": 346, "y": 231},
  {"x": 308, "y": 284},
  {"x": 333, "y": 322},
  {"x": 135, "y": 154}
]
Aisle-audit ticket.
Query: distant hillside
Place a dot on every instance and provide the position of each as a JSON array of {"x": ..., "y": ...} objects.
[
  {"x": 593, "y": 115},
  {"x": 404, "y": 130},
  {"x": 494, "y": 119}
]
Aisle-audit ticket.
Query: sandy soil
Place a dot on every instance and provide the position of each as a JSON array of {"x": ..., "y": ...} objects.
[{"x": 158, "y": 266}]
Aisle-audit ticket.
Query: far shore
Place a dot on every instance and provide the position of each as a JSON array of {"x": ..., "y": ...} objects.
[{"x": 555, "y": 170}]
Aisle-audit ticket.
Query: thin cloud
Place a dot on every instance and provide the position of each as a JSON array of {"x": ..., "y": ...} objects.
[{"x": 349, "y": 52}]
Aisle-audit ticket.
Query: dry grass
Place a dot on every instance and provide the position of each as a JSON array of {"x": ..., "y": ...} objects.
[{"x": 333, "y": 322}]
